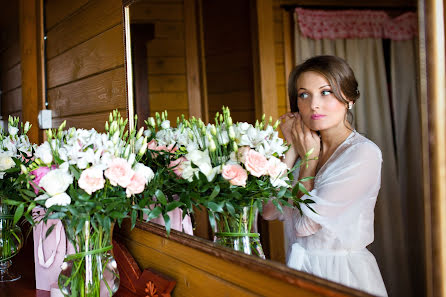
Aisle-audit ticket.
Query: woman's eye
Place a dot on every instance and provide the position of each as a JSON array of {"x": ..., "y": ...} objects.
[
  {"x": 326, "y": 92},
  {"x": 303, "y": 95}
]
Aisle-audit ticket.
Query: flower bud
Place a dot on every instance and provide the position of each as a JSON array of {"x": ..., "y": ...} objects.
[
  {"x": 235, "y": 146},
  {"x": 276, "y": 124},
  {"x": 27, "y": 127},
  {"x": 106, "y": 126},
  {"x": 231, "y": 132},
  {"x": 115, "y": 137},
  {"x": 213, "y": 130},
  {"x": 151, "y": 121},
  {"x": 63, "y": 125},
  {"x": 140, "y": 132},
  {"x": 143, "y": 148},
  {"x": 23, "y": 169},
  {"x": 49, "y": 133},
  {"x": 212, "y": 146}
]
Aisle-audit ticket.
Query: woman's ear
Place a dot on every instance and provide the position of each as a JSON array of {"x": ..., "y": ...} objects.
[{"x": 350, "y": 104}]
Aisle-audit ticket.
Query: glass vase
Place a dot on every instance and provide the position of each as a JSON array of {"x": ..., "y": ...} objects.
[
  {"x": 239, "y": 231},
  {"x": 11, "y": 241},
  {"x": 92, "y": 271}
]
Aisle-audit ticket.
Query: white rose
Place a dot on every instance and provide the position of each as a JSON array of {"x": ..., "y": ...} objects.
[
  {"x": 6, "y": 162},
  {"x": 144, "y": 171},
  {"x": 56, "y": 181},
  {"x": 43, "y": 152},
  {"x": 61, "y": 199}
]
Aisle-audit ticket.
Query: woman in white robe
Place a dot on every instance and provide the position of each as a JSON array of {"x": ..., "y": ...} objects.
[{"x": 330, "y": 242}]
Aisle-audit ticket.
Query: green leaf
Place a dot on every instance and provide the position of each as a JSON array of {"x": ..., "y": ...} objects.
[
  {"x": 212, "y": 220},
  {"x": 11, "y": 202},
  {"x": 215, "y": 207},
  {"x": 154, "y": 213},
  {"x": 306, "y": 178},
  {"x": 167, "y": 223},
  {"x": 277, "y": 205},
  {"x": 29, "y": 193},
  {"x": 171, "y": 206},
  {"x": 18, "y": 213},
  {"x": 160, "y": 197},
  {"x": 214, "y": 192},
  {"x": 281, "y": 193},
  {"x": 57, "y": 215},
  {"x": 134, "y": 215},
  {"x": 230, "y": 208},
  {"x": 50, "y": 229},
  {"x": 303, "y": 189}
]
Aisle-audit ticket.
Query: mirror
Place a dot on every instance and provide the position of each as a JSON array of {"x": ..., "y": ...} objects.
[{"x": 184, "y": 56}]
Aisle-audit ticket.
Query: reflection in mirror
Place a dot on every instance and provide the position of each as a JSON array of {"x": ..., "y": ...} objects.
[{"x": 193, "y": 61}]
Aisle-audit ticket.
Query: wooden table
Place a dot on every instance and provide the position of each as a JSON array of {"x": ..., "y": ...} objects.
[{"x": 24, "y": 264}]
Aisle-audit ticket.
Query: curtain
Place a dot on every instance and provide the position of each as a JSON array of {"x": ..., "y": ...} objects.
[
  {"x": 373, "y": 119},
  {"x": 406, "y": 118}
]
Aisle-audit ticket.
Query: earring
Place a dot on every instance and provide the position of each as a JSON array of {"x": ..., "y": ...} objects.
[{"x": 350, "y": 105}]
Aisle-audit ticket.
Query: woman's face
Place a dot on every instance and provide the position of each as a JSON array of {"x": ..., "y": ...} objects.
[{"x": 319, "y": 108}]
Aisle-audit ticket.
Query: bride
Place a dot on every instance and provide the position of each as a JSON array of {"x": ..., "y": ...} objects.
[{"x": 331, "y": 241}]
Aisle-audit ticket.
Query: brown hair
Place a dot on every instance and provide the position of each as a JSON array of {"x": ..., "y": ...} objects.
[{"x": 338, "y": 73}]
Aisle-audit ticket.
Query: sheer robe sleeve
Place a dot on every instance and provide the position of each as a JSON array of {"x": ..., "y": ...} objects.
[{"x": 345, "y": 195}]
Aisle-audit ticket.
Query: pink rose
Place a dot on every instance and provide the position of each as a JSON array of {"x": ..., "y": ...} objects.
[
  {"x": 235, "y": 173},
  {"x": 39, "y": 173},
  {"x": 177, "y": 166},
  {"x": 276, "y": 168},
  {"x": 119, "y": 172},
  {"x": 91, "y": 180},
  {"x": 256, "y": 163},
  {"x": 136, "y": 185},
  {"x": 241, "y": 153},
  {"x": 152, "y": 145}
]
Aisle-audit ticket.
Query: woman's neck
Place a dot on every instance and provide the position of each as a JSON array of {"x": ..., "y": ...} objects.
[{"x": 331, "y": 139}]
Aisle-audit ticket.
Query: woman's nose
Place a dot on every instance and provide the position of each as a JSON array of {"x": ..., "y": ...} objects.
[{"x": 315, "y": 103}]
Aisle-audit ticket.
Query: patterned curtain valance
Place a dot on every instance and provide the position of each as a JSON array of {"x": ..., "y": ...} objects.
[{"x": 343, "y": 24}]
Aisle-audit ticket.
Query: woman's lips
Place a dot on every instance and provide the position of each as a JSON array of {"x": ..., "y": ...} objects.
[{"x": 317, "y": 116}]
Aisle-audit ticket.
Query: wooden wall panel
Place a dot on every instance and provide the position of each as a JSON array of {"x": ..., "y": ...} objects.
[
  {"x": 102, "y": 92},
  {"x": 90, "y": 20},
  {"x": 166, "y": 56},
  {"x": 12, "y": 78},
  {"x": 11, "y": 102},
  {"x": 85, "y": 58},
  {"x": 10, "y": 66},
  {"x": 280, "y": 59},
  {"x": 57, "y": 10},
  {"x": 88, "y": 121},
  {"x": 228, "y": 55},
  {"x": 104, "y": 51}
]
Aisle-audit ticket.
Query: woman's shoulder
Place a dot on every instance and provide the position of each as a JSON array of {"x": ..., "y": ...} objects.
[{"x": 362, "y": 146}]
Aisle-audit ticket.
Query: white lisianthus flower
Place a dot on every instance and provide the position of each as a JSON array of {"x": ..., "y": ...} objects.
[
  {"x": 188, "y": 171},
  {"x": 61, "y": 199},
  {"x": 165, "y": 124},
  {"x": 144, "y": 171},
  {"x": 56, "y": 181},
  {"x": 279, "y": 182},
  {"x": 6, "y": 162},
  {"x": 13, "y": 130},
  {"x": 43, "y": 152},
  {"x": 199, "y": 157}
]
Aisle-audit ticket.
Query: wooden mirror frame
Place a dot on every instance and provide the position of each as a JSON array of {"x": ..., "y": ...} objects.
[{"x": 433, "y": 123}]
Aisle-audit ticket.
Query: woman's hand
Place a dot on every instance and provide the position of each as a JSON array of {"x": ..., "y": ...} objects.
[{"x": 301, "y": 138}]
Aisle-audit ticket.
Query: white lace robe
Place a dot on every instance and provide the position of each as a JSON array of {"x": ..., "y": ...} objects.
[{"x": 331, "y": 243}]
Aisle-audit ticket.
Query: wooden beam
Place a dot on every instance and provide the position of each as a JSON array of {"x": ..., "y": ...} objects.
[
  {"x": 31, "y": 48},
  {"x": 264, "y": 59},
  {"x": 192, "y": 58},
  {"x": 288, "y": 49},
  {"x": 432, "y": 60},
  {"x": 265, "y": 92}
]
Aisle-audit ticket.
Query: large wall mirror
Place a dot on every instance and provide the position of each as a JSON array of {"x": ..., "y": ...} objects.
[{"x": 191, "y": 57}]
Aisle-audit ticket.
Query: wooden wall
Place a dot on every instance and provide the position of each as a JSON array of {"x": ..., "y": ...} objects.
[
  {"x": 166, "y": 55},
  {"x": 229, "y": 60},
  {"x": 10, "y": 66},
  {"x": 84, "y": 61}
]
